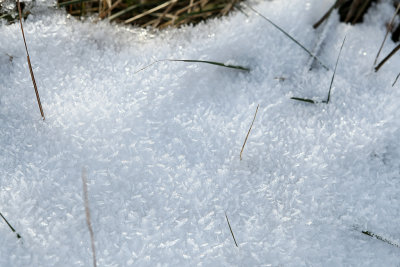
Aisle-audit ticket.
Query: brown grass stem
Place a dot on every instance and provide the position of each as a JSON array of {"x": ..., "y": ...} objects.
[
  {"x": 387, "y": 57},
  {"x": 230, "y": 228},
  {"x": 248, "y": 133},
  {"x": 87, "y": 212},
  {"x": 29, "y": 62},
  {"x": 387, "y": 33}
]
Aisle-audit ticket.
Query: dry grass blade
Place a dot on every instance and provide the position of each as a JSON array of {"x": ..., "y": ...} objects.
[
  {"x": 29, "y": 62},
  {"x": 288, "y": 35},
  {"x": 398, "y": 75},
  {"x": 166, "y": 11},
  {"x": 248, "y": 133},
  {"x": 230, "y": 228},
  {"x": 387, "y": 33},
  {"x": 150, "y": 11},
  {"x": 334, "y": 72},
  {"x": 9, "y": 225},
  {"x": 196, "y": 61},
  {"x": 87, "y": 212},
  {"x": 387, "y": 58},
  {"x": 368, "y": 233}
]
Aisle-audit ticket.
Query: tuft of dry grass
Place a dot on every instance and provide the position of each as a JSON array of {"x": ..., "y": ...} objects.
[
  {"x": 29, "y": 62},
  {"x": 154, "y": 13}
]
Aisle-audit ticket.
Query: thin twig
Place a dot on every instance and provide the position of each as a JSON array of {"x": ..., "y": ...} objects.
[
  {"x": 195, "y": 61},
  {"x": 288, "y": 35},
  {"x": 230, "y": 228},
  {"x": 334, "y": 71},
  {"x": 9, "y": 225},
  {"x": 398, "y": 75},
  {"x": 29, "y": 62},
  {"x": 387, "y": 58},
  {"x": 87, "y": 212},
  {"x": 387, "y": 32},
  {"x": 248, "y": 133}
]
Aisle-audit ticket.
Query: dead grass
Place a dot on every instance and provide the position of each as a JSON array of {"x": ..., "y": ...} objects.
[{"x": 154, "y": 13}]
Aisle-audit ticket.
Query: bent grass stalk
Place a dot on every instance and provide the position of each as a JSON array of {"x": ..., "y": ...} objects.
[
  {"x": 288, "y": 35},
  {"x": 9, "y": 225},
  {"x": 248, "y": 133},
  {"x": 196, "y": 61},
  {"x": 29, "y": 62},
  {"x": 87, "y": 212},
  {"x": 330, "y": 86},
  {"x": 230, "y": 228}
]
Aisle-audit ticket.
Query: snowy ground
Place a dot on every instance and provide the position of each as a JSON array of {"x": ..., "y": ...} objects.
[{"x": 161, "y": 147}]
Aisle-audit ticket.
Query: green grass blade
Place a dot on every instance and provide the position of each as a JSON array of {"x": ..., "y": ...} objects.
[
  {"x": 304, "y": 100},
  {"x": 334, "y": 72},
  {"x": 213, "y": 63},
  {"x": 288, "y": 35},
  {"x": 197, "y": 61}
]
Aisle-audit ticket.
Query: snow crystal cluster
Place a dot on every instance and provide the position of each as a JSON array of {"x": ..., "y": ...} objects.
[{"x": 161, "y": 146}]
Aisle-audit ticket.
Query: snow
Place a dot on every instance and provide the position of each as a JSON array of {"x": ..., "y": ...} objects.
[{"x": 161, "y": 147}]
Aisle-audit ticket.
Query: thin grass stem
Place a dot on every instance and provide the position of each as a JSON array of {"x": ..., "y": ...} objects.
[
  {"x": 398, "y": 75},
  {"x": 368, "y": 233},
  {"x": 248, "y": 133},
  {"x": 230, "y": 228},
  {"x": 29, "y": 62},
  {"x": 9, "y": 225},
  {"x": 288, "y": 35},
  {"x": 334, "y": 72},
  {"x": 87, "y": 212},
  {"x": 196, "y": 61},
  {"x": 330, "y": 86},
  {"x": 387, "y": 58},
  {"x": 387, "y": 33}
]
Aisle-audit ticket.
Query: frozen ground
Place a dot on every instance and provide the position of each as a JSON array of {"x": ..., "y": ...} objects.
[{"x": 161, "y": 147}]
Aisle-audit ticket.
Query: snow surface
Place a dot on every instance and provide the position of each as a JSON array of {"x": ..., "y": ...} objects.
[{"x": 161, "y": 147}]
